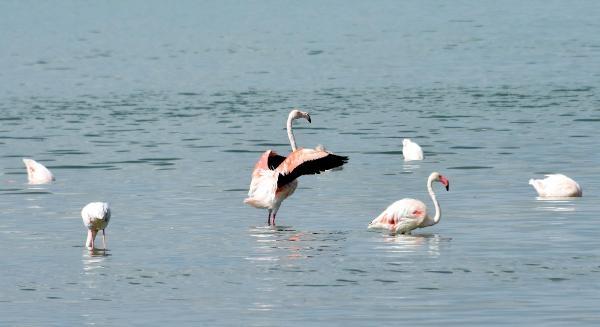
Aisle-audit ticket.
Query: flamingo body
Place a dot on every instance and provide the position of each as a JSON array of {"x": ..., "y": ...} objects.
[
  {"x": 96, "y": 216},
  {"x": 556, "y": 185},
  {"x": 264, "y": 191},
  {"x": 274, "y": 177},
  {"x": 402, "y": 216},
  {"x": 411, "y": 150},
  {"x": 37, "y": 173}
]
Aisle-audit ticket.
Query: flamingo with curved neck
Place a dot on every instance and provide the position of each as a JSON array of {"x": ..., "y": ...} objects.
[
  {"x": 275, "y": 177},
  {"x": 407, "y": 214}
]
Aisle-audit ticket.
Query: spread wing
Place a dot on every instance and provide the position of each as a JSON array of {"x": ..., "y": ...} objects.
[
  {"x": 269, "y": 160},
  {"x": 307, "y": 162},
  {"x": 275, "y": 160}
]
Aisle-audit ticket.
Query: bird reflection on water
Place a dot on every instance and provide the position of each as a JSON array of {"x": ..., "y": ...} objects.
[
  {"x": 284, "y": 242},
  {"x": 425, "y": 243},
  {"x": 94, "y": 259},
  {"x": 556, "y": 204}
]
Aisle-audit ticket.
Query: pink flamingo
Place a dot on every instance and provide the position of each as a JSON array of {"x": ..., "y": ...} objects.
[
  {"x": 274, "y": 176},
  {"x": 405, "y": 215}
]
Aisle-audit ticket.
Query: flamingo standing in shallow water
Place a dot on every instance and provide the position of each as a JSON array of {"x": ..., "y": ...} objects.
[
  {"x": 556, "y": 185},
  {"x": 405, "y": 215},
  {"x": 274, "y": 176},
  {"x": 96, "y": 216},
  {"x": 37, "y": 173},
  {"x": 411, "y": 150}
]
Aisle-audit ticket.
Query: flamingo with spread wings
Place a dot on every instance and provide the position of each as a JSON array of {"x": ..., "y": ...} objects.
[{"x": 275, "y": 177}]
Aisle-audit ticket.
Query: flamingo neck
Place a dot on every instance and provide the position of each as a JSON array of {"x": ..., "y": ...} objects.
[
  {"x": 291, "y": 133},
  {"x": 90, "y": 238},
  {"x": 438, "y": 210}
]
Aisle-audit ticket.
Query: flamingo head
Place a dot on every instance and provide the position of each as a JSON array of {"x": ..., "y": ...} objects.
[
  {"x": 295, "y": 114},
  {"x": 443, "y": 180}
]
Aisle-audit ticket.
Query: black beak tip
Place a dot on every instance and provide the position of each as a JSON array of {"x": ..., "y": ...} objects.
[
  {"x": 309, "y": 120},
  {"x": 448, "y": 187}
]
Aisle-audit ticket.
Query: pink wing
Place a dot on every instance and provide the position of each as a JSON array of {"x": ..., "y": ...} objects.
[
  {"x": 307, "y": 162},
  {"x": 269, "y": 160},
  {"x": 405, "y": 211}
]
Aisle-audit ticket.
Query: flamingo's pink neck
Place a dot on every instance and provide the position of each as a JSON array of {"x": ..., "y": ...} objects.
[{"x": 89, "y": 242}]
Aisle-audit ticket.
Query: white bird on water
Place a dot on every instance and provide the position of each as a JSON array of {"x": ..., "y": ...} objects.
[
  {"x": 405, "y": 215},
  {"x": 37, "y": 173},
  {"x": 411, "y": 150},
  {"x": 556, "y": 185},
  {"x": 96, "y": 216}
]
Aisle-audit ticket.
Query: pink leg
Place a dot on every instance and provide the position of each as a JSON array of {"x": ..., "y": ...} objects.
[{"x": 269, "y": 218}]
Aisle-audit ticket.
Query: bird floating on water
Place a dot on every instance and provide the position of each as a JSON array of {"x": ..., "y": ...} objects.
[
  {"x": 411, "y": 150},
  {"x": 96, "y": 216},
  {"x": 37, "y": 173},
  {"x": 407, "y": 214},
  {"x": 275, "y": 177},
  {"x": 556, "y": 185}
]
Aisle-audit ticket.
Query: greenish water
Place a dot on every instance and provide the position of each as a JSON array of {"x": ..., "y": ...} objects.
[{"x": 162, "y": 110}]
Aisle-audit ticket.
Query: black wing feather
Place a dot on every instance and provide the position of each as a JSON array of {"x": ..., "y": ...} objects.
[
  {"x": 312, "y": 167},
  {"x": 274, "y": 161}
]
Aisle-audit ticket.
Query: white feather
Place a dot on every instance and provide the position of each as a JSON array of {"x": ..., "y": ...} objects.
[
  {"x": 411, "y": 150},
  {"x": 37, "y": 173},
  {"x": 556, "y": 185},
  {"x": 262, "y": 189},
  {"x": 96, "y": 216}
]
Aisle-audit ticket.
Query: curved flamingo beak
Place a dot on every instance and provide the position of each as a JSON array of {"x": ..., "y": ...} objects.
[
  {"x": 445, "y": 182},
  {"x": 308, "y": 118}
]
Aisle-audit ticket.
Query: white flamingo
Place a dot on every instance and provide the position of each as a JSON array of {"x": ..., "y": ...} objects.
[
  {"x": 274, "y": 176},
  {"x": 37, "y": 173},
  {"x": 96, "y": 216},
  {"x": 556, "y": 185},
  {"x": 407, "y": 214},
  {"x": 411, "y": 150}
]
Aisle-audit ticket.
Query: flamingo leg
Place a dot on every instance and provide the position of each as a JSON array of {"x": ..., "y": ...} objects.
[
  {"x": 269, "y": 217},
  {"x": 104, "y": 239},
  {"x": 274, "y": 214}
]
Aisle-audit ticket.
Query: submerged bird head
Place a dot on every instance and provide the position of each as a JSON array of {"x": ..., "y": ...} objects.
[
  {"x": 96, "y": 216},
  {"x": 435, "y": 176},
  {"x": 295, "y": 114},
  {"x": 37, "y": 173}
]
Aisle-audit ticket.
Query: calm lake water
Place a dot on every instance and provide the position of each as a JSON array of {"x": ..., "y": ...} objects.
[{"x": 163, "y": 109}]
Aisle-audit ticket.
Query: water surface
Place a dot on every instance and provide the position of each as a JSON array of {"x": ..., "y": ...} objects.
[{"x": 163, "y": 110}]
